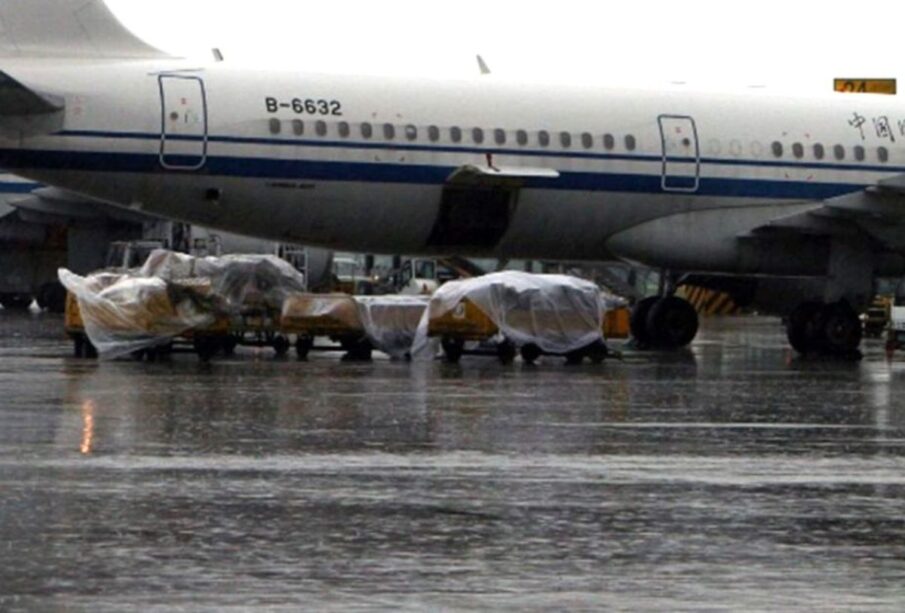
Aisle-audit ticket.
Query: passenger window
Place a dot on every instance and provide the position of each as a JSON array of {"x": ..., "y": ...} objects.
[
  {"x": 411, "y": 132},
  {"x": 276, "y": 126},
  {"x": 819, "y": 151},
  {"x": 883, "y": 154},
  {"x": 499, "y": 136},
  {"x": 521, "y": 137},
  {"x": 477, "y": 135},
  {"x": 777, "y": 149},
  {"x": 587, "y": 141},
  {"x": 798, "y": 150},
  {"x": 367, "y": 130},
  {"x": 543, "y": 138},
  {"x": 455, "y": 134},
  {"x": 609, "y": 142},
  {"x": 630, "y": 142},
  {"x": 859, "y": 153},
  {"x": 389, "y": 131},
  {"x": 321, "y": 128},
  {"x": 343, "y": 128},
  {"x": 839, "y": 152},
  {"x": 298, "y": 127},
  {"x": 433, "y": 133},
  {"x": 565, "y": 139}
]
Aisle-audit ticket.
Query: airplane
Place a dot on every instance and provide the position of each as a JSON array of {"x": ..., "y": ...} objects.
[{"x": 808, "y": 190}]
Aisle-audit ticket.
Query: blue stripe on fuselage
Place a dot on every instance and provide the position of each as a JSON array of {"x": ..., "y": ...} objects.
[{"x": 369, "y": 172}]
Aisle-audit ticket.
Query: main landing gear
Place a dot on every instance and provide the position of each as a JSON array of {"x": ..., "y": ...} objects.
[
  {"x": 826, "y": 329},
  {"x": 664, "y": 323}
]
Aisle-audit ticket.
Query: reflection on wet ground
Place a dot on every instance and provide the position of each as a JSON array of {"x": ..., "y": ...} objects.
[{"x": 732, "y": 476}]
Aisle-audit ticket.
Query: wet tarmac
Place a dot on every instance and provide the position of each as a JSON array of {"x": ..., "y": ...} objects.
[{"x": 729, "y": 477}]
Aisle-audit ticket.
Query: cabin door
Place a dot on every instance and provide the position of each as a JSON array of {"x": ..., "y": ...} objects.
[
  {"x": 681, "y": 154},
  {"x": 183, "y": 138}
]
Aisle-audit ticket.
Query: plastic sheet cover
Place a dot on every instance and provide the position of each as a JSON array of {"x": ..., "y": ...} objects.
[
  {"x": 391, "y": 322},
  {"x": 174, "y": 293},
  {"x": 557, "y": 313}
]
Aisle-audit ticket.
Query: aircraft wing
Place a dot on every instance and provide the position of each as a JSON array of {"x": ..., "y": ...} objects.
[
  {"x": 877, "y": 212},
  {"x": 26, "y": 112},
  {"x": 53, "y": 205}
]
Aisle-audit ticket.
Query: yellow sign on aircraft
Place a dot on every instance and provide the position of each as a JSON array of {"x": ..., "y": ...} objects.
[{"x": 865, "y": 86}]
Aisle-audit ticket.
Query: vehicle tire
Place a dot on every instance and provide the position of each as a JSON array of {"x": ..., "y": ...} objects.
[
  {"x": 672, "y": 323},
  {"x": 801, "y": 327},
  {"x": 52, "y": 297},
  {"x": 281, "y": 345},
  {"x": 506, "y": 352},
  {"x": 576, "y": 358},
  {"x": 15, "y": 302},
  {"x": 598, "y": 352},
  {"x": 228, "y": 345},
  {"x": 453, "y": 349},
  {"x": 530, "y": 353},
  {"x": 303, "y": 345},
  {"x": 357, "y": 350},
  {"x": 206, "y": 347},
  {"x": 638, "y": 321},
  {"x": 841, "y": 329}
]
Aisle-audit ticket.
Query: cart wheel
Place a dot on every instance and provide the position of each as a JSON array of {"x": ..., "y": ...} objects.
[
  {"x": 574, "y": 358},
  {"x": 281, "y": 346},
  {"x": 206, "y": 347},
  {"x": 229, "y": 344},
  {"x": 506, "y": 352},
  {"x": 303, "y": 345},
  {"x": 452, "y": 349},
  {"x": 358, "y": 350},
  {"x": 598, "y": 352},
  {"x": 530, "y": 353}
]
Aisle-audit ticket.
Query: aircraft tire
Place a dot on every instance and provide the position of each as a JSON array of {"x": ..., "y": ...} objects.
[
  {"x": 841, "y": 329},
  {"x": 672, "y": 323},
  {"x": 638, "y": 321},
  {"x": 802, "y": 328}
]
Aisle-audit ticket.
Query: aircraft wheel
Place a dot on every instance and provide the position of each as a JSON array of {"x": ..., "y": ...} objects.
[
  {"x": 672, "y": 323},
  {"x": 841, "y": 328},
  {"x": 638, "y": 321},
  {"x": 801, "y": 328}
]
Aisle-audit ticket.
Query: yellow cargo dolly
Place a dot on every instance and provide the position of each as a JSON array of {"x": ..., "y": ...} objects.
[
  {"x": 255, "y": 327},
  {"x": 335, "y": 316},
  {"x": 468, "y": 323}
]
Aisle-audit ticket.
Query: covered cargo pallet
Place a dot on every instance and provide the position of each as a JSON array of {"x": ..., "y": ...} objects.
[
  {"x": 358, "y": 323},
  {"x": 175, "y": 294},
  {"x": 534, "y": 314}
]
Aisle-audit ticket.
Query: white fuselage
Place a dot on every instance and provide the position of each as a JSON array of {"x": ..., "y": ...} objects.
[{"x": 361, "y": 163}]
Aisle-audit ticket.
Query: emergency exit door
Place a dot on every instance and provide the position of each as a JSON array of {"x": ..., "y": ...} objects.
[
  {"x": 681, "y": 153},
  {"x": 183, "y": 143}
]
